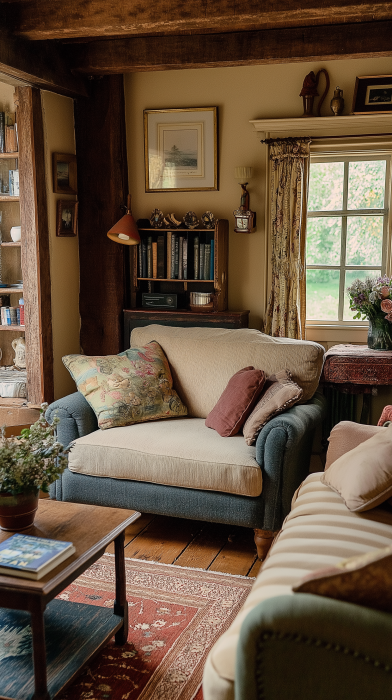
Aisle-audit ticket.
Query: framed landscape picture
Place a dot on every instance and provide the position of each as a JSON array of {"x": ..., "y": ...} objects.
[
  {"x": 64, "y": 173},
  {"x": 373, "y": 94},
  {"x": 67, "y": 218},
  {"x": 180, "y": 149}
]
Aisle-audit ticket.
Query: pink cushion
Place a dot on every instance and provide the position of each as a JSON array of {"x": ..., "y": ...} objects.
[
  {"x": 236, "y": 402},
  {"x": 345, "y": 436}
]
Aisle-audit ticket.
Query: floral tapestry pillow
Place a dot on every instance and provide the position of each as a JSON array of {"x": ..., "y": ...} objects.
[{"x": 133, "y": 387}]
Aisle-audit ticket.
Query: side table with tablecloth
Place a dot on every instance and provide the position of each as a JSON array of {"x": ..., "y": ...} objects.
[{"x": 350, "y": 370}]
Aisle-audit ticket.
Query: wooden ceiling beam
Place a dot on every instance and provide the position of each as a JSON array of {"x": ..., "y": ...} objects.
[
  {"x": 38, "y": 65},
  {"x": 232, "y": 49},
  {"x": 41, "y": 19}
]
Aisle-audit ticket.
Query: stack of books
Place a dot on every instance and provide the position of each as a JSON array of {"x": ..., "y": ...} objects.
[
  {"x": 32, "y": 557},
  {"x": 180, "y": 256},
  {"x": 8, "y": 133},
  {"x": 10, "y": 316}
]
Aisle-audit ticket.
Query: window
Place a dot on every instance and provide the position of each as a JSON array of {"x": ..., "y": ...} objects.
[{"x": 348, "y": 210}]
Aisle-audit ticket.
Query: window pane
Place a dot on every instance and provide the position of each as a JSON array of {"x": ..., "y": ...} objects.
[
  {"x": 366, "y": 184},
  {"x": 364, "y": 240},
  {"x": 322, "y": 294},
  {"x": 351, "y": 276},
  {"x": 326, "y": 186},
  {"x": 323, "y": 241}
]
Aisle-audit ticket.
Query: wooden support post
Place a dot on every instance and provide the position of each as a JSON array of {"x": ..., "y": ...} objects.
[{"x": 102, "y": 189}]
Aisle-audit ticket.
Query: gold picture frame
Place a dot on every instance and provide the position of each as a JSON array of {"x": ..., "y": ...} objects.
[
  {"x": 372, "y": 94},
  {"x": 66, "y": 218},
  {"x": 64, "y": 173},
  {"x": 181, "y": 149}
]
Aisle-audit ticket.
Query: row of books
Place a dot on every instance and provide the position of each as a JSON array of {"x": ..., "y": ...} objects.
[
  {"x": 8, "y": 133},
  {"x": 11, "y": 316},
  {"x": 176, "y": 257}
]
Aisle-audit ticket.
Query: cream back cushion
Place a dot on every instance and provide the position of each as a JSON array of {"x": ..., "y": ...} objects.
[{"x": 202, "y": 360}]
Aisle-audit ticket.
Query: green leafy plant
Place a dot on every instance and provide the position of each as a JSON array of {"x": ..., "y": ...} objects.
[{"x": 33, "y": 460}]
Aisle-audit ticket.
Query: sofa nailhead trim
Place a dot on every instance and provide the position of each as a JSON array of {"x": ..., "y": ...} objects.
[{"x": 298, "y": 638}]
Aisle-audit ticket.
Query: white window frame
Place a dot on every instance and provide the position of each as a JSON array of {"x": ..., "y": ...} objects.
[{"x": 346, "y": 156}]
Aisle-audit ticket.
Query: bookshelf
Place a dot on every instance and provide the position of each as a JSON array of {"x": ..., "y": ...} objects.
[
  {"x": 166, "y": 284},
  {"x": 10, "y": 257}
]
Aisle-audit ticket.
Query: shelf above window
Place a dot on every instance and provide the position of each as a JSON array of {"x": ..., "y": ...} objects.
[{"x": 351, "y": 124}]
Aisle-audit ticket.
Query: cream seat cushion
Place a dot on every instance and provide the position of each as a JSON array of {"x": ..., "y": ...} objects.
[
  {"x": 318, "y": 532},
  {"x": 176, "y": 452},
  {"x": 202, "y": 360}
]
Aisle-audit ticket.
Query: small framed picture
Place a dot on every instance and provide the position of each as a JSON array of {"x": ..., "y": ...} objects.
[
  {"x": 373, "y": 94},
  {"x": 181, "y": 149},
  {"x": 64, "y": 173},
  {"x": 67, "y": 218}
]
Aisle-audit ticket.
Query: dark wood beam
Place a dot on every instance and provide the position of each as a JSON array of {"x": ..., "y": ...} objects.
[
  {"x": 40, "y": 19},
  {"x": 102, "y": 188},
  {"x": 234, "y": 49},
  {"x": 38, "y": 64}
]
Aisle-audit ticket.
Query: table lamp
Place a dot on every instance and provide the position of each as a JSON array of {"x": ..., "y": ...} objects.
[{"x": 125, "y": 230}]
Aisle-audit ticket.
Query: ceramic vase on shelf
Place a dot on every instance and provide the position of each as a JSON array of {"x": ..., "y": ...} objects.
[
  {"x": 17, "y": 512},
  {"x": 380, "y": 334}
]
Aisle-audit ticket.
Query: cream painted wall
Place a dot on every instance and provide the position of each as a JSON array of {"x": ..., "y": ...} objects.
[
  {"x": 241, "y": 94},
  {"x": 64, "y": 255}
]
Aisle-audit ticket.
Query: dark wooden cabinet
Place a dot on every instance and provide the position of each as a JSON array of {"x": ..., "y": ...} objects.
[{"x": 182, "y": 318}]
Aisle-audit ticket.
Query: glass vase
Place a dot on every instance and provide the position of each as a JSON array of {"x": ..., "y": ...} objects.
[{"x": 380, "y": 334}]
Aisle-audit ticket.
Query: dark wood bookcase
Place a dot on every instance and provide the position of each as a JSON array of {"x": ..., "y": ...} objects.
[{"x": 183, "y": 287}]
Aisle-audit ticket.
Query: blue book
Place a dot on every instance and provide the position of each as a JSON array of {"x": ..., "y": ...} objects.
[
  {"x": 212, "y": 261},
  {"x": 32, "y": 557}
]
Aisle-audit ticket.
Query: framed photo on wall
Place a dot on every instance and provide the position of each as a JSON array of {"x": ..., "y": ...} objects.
[
  {"x": 181, "y": 149},
  {"x": 64, "y": 174},
  {"x": 373, "y": 94},
  {"x": 67, "y": 218}
]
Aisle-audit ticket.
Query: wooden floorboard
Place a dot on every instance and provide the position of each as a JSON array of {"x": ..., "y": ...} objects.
[{"x": 211, "y": 546}]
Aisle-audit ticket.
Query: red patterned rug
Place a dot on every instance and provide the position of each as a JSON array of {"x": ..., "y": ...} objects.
[{"x": 175, "y": 617}]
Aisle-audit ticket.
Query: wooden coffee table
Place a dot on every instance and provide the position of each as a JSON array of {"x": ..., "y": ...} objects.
[{"x": 65, "y": 635}]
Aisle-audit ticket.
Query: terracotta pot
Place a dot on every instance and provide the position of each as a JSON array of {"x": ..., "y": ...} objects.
[{"x": 17, "y": 512}]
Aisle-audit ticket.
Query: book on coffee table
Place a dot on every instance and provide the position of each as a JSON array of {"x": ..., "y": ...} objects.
[{"x": 32, "y": 557}]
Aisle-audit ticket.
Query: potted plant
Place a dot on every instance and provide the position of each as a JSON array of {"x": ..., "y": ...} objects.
[
  {"x": 28, "y": 463},
  {"x": 372, "y": 300}
]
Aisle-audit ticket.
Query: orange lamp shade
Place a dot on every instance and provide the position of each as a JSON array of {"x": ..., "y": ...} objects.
[{"x": 125, "y": 230}]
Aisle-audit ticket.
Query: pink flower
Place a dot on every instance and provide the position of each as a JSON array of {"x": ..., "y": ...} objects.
[
  {"x": 386, "y": 306},
  {"x": 384, "y": 291}
]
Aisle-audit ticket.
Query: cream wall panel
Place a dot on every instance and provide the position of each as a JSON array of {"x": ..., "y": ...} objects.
[
  {"x": 64, "y": 255},
  {"x": 241, "y": 94}
]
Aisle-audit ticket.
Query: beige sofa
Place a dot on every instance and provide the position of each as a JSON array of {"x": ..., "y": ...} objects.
[{"x": 318, "y": 532}]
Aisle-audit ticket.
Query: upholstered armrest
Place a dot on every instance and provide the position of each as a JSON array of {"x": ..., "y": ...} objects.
[
  {"x": 77, "y": 418},
  {"x": 283, "y": 451},
  {"x": 305, "y": 646}
]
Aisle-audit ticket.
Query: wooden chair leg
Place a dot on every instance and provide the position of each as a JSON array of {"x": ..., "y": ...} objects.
[{"x": 263, "y": 541}]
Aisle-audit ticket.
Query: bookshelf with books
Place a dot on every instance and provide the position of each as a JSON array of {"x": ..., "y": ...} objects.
[{"x": 180, "y": 261}]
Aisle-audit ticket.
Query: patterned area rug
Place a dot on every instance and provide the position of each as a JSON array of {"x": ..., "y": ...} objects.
[{"x": 175, "y": 617}]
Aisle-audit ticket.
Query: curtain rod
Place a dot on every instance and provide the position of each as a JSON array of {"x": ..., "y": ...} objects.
[{"x": 319, "y": 138}]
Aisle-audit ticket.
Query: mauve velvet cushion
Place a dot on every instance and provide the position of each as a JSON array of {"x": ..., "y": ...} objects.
[{"x": 236, "y": 402}]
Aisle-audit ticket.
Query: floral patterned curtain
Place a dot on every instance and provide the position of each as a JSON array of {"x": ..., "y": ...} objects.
[{"x": 285, "y": 314}]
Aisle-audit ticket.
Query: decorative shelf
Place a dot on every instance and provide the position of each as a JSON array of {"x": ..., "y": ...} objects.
[
  {"x": 10, "y": 290},
  {"x": 8, "y": 198},
  {"x": 13, "y": 327},
  {"x": 12, "y": 155},
  {"x": 349, "y": 125},
  {"x": 11, "y": 244}
]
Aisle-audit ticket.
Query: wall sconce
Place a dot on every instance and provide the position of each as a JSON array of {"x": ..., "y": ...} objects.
[
  {"x": 245, "y": 219},
  {"x": 125, "y": 230}
]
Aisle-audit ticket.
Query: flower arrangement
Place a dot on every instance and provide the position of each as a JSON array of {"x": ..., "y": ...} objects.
[
  {"x": 33, "y": 460},
  {"x": 371, "y": 299}
]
